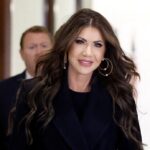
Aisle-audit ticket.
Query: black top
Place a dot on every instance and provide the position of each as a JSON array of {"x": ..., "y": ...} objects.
[{"x": 79, "y": 101}]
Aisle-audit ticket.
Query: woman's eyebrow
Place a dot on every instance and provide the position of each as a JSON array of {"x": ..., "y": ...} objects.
[
  {"x": 79, "y": 37},
  {"x": 101, "y": 41}
]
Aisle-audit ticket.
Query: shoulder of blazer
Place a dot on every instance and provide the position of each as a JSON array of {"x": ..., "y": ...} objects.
[
  {"x": 9, "y": 86},
  {"x": 15, "y": 78}
]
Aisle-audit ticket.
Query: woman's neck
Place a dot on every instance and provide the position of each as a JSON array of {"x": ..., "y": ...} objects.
[{"x": 79, "y": 82}]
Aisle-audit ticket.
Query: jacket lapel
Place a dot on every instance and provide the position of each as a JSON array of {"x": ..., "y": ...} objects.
[
  {"x": 67, "y": 122},
  {"x": 98, "y": 114}
]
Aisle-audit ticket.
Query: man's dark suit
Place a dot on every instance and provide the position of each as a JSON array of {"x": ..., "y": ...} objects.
[{"x": 8, "y": 90}]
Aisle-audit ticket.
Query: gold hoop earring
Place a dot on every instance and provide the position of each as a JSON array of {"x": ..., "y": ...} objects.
[
  {"x": 106, "y": 67},
  {"x": 65, "y": 61}
]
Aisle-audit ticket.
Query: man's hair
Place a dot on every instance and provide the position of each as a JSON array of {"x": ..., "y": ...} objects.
[{"x": 34, "y": 29}]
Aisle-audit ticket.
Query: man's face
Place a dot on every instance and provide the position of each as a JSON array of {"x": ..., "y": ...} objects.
[{"x": 34, "y": 45}]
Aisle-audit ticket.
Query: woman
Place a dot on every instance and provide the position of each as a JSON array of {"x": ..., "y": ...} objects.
[{"x": 82, "y": 97}]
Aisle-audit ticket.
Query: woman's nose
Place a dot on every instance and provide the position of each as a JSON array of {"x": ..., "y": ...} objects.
[{"x": 87, "y": 50}]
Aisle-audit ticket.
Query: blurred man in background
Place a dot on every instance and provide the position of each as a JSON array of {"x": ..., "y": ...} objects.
[{"x": 34, "y": 42}]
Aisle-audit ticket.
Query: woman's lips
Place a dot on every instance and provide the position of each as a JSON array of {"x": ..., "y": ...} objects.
[{"x": 85, "y": 63}]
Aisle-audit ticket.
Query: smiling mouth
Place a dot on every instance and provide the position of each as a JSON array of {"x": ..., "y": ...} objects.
[{"x": 85, "y": 63}]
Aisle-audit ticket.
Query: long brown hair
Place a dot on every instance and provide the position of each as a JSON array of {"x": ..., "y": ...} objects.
[{"x": 50, "y": 72}]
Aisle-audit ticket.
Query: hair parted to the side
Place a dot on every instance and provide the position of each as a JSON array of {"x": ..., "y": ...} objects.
[{"x": 50, "y": 70}]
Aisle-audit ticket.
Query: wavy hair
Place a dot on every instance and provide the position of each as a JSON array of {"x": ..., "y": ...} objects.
[{"x": 50, "y": 72}]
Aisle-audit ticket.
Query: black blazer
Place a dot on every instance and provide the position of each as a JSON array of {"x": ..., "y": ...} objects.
[
  {"x": 8, "y": 90},
  {"x": 97, "y": 130}
]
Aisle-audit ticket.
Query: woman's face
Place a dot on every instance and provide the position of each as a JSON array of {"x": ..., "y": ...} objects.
[{"x": 86, "y": 52}]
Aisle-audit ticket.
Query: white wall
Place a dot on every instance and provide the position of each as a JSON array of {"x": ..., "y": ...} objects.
[
  {"x": 63, "y": 9},
  {"x": 24, "y": 13}
]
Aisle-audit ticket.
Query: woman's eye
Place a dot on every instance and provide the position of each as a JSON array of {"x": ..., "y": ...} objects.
[
  {"x": 98, "y": 44},
  {"x": 79, "y": 41}
]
